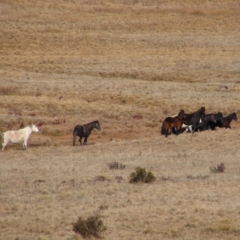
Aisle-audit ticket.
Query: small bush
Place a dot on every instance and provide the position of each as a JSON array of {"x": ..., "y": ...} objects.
[
  {"x": 217, "y": 169},
  {"x": 116, "y": 165},
  {"x": 92, "y": 226},
  {"x": 141, "y": 175}
]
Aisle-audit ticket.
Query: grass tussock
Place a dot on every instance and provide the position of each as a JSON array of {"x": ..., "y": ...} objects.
[
  {"x": 92, "y": 226},
  {"x": 220, "y": 168},
  {"x": 116, "y": 165},
  {"x": 141, "y": 175},
  {"x": 222, "y": 227},
  {"x": 101, "y": 178}
]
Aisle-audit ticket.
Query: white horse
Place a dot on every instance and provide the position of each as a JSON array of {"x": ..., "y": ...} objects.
[{"x": 20, "y": 135}]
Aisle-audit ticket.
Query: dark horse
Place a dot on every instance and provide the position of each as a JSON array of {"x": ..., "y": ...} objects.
[
  {"x": 83, "y": 131},
  {"x": 194, "y": 118},
  {"x": 219, "y": 120},
  {"x": 226, "y": 121},
  {"x": 172, "y": 123},
  {"x": 206, "y": 120}
]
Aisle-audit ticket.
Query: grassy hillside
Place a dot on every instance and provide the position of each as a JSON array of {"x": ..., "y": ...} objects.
[{"x": 128, "y": 64}]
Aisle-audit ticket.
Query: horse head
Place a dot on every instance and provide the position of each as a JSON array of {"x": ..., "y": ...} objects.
[
  {"x": 98, "y": 127},
  {"x": 235, "y": 116},
  {"x": 35, "y": 128},
  {"x": 212, "y": 118},
  {"x": 181, "y": 114},
  {"x": 202, "y": 111}
]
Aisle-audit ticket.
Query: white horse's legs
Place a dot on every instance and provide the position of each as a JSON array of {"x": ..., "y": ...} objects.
[
  {"x": 24, "y": 145},
  {"x": 4, "y": 145},
  {"x": 190, "y": 128}
]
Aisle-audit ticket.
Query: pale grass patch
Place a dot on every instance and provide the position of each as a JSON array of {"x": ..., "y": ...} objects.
[{"x": 222, "y": 226}]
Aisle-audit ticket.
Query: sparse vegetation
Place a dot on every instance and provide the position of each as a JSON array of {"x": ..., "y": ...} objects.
[
  {"x": 92, "y": 226},
  {"x": 141, "y": 175},
  {"x": 218, "y": 168},
  {"x": 130, "y": 64},
  {"x": 100, "y": 178},
  {"x": 198, "y": 177},
  {"x": 5, "y": 91},
  {"x": 116, "y": 165}
]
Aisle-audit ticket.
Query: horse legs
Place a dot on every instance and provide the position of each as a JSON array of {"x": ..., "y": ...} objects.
[
  {"x": 190, "y": 128},
  {"x": 4, "y": 144},
  {"x": 167, "y": 131},
  {"x": 74, "y": 139},
  {"x": 23, "y": 146},
  {"x": 85, "y": 140},
  {"x": 178, "y": 129},
  {"x": 194, "y": 127}
]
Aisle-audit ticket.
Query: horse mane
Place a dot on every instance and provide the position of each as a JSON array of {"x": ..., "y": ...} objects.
[{"x": 96, "y": 121}]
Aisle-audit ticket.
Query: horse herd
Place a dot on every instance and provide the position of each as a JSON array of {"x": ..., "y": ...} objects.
[{"x": 197, "y": 121}]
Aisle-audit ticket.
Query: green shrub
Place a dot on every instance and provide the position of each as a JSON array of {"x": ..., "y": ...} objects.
[
  {"x": 92, "y": 226},
  {"x": 141, "y": 175}
]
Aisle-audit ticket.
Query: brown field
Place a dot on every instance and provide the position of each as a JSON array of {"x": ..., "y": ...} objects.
[{"x": 129, "y": 64}]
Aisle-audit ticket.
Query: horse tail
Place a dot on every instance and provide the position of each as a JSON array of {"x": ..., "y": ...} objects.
[
  {"x": 163, "y": 129},
  {"x": 74, "y": 136}
]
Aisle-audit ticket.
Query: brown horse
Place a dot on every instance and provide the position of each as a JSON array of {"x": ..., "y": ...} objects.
[
  {"x": 83, "y": 131},
  {"x": 227, "y": 120},
  {"x": 172, "y": 123}
]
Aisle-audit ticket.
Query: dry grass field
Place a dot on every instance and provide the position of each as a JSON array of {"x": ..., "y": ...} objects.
[{"x": 128, "y": 64}]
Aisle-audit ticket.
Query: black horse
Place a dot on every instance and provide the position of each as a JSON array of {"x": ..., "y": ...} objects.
[
  {"x": 219, "y": 120},
  {"x": 194, "y": 118},
  {"x": 226, "y": 121},
  {"x": 206, "y": 120},
  {"x": 83, "y": 131}
]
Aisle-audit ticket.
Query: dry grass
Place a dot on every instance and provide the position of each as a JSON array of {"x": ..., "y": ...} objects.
[{"x": 129, "y": 64}]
